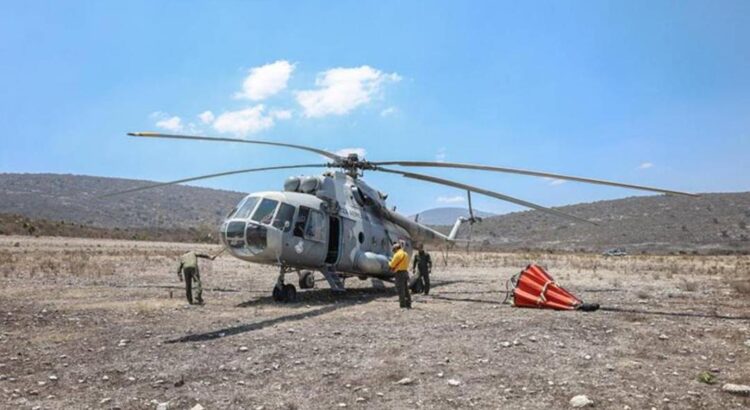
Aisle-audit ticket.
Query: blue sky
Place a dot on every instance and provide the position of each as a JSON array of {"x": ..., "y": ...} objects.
[{"x": 656, "y": 93}]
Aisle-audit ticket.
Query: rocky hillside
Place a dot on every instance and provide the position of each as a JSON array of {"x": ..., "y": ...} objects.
[
  {"x": 68, "y": 205},
  {"x": 74, "y": 199},
  {"x": 711, "y": 222}
]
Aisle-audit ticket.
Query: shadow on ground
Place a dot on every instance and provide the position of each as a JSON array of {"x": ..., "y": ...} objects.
[{"x": 304, "y": 299}]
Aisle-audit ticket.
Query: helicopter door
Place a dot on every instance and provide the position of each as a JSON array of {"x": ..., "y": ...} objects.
[{"x": 334, "y": 233}]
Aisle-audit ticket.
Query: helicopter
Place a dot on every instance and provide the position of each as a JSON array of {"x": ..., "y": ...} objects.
[{"x": 335, "y": 223}]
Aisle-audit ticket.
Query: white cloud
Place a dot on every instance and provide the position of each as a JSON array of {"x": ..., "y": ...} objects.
[
  {"x": 192, "y": 128},
  {"x": 343, "y": 152},
  {"x": 340, "y": 90},
  {"x": 646, "y": 165},
  {"x": 281, "y": 114},
  {"x": 265, "y": 81},
  {"x": 206, "y": 117},
  {"x": 247, "y": 121},
  {"x": 173, "y": 123},
  {"x": 388, "y": 111},
  {"x": 441, "y": 154},
  {"x": 450, "y": 199},
  {"x": 555, "y": 181}
]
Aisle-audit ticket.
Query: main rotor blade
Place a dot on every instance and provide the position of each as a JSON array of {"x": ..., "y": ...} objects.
[
  {"x": 482, "y": 191},
  {"x": 528, "y": 172},
  {"x": 220, "y": 174},
  {"x": 202, "y": 138}
]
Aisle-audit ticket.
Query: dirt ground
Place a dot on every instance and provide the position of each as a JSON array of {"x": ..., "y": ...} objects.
[{"x": 104, "y": 324}]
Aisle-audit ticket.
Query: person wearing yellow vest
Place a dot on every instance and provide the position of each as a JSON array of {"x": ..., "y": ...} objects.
[{"x": 399, "y": 264}]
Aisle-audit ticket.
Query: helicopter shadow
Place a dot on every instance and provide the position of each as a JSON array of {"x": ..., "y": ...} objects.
[
  {"x": 351, "y": 297},
  {"x": 324, "y": 296},
  {"x": 249, "y": 327}
]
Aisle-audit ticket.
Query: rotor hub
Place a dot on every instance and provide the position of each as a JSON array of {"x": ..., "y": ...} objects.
[{"x": 353, "y": 165}]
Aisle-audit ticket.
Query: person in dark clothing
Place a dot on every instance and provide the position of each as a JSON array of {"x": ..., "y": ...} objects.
[{"x": 422, "y": 267}]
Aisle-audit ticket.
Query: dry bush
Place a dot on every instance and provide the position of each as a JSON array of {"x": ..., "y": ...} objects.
[
  {"x": 76, "y": 262},
  {"x": 7, "y": 263},
  {"x": 688, "y": 285},
  {"x": 741, "y": 282},
  {"x": 741, "y": 286},
  {"x": 47, "y": 266}
]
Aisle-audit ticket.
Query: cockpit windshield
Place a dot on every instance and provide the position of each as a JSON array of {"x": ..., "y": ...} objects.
[
  {"x": 265, "y": 211},
  {"x": 246, "y": 208},
  {"x": 283, "y": 219}
]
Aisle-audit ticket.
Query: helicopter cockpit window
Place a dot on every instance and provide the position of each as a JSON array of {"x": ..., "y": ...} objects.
[
  {"x": 264, "y": 213},
  {"x": 315, "y": 226},
  {"x": 299, "y": 224},
  {"x": 246, "y": 208},
  {"x": 283, "y": 217}
]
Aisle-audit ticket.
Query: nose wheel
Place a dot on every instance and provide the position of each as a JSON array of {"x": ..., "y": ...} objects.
[{"x": 284, "y": 293}]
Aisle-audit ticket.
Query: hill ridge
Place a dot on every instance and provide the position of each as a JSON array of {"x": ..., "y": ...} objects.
[{"x": 713, "y": 221}]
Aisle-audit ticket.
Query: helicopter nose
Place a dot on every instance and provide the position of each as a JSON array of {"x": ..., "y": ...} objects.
[
  {"x": 233, "y": 234},
  {"x": 256, "y": 237},
  {"x": 244, "y": 236}
]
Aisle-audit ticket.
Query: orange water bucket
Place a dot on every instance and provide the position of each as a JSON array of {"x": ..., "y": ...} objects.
[{"x": 535, "y": 288}]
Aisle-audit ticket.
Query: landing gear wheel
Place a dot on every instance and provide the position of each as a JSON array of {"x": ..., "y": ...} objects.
[
  {"x": 290, "y": 293},
  {"x": 306, "y": 280},
  {"x": 278, "y": 294}
]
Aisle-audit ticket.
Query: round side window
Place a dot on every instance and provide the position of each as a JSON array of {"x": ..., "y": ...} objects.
[{"x": 361, "y": 237}]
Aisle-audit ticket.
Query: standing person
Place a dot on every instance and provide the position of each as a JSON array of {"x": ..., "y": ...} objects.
[
  {"x": 400, "y": 265},
  {"x": 189, "y": 268},
  {"x": 422, "y": 266}
]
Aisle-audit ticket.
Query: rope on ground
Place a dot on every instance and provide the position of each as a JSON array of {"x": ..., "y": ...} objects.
[{"x": 683, "y": 314}]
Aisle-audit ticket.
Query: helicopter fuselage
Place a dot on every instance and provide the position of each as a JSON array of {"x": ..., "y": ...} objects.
[{"x": 331, "y": 221}]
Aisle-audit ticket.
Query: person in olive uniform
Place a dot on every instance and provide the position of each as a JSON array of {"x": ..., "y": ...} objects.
[
  {"x": 189, "y": 269},
  {"x": 400, "y": 265},
  {"x": 422, "y": 266}
]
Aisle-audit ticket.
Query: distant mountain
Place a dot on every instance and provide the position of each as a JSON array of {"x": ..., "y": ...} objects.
[
  {"x": 68, "y": 205},
  {"x": 74, "y": 198},
  {"x": 446, "y": 215},
  {"x": 711, "y": 222}
]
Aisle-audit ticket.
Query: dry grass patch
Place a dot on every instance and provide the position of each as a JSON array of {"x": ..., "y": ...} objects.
[
  {"x": 140, "y": 306},
  {"x": 741, "y": 286},
  {"x": 688, "y": 285}
]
